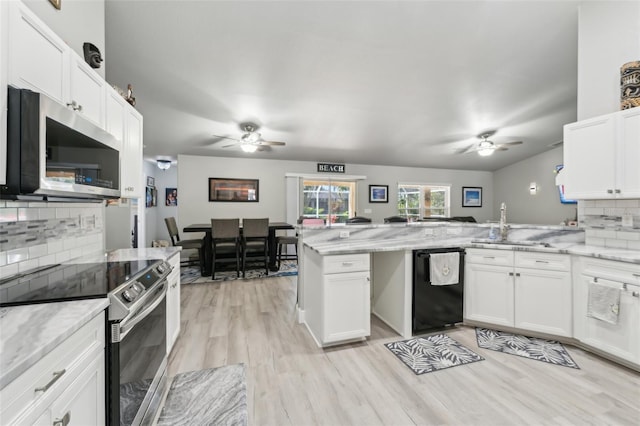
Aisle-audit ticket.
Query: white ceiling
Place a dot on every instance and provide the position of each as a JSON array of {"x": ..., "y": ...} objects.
[{"x": 372, "y": 82}]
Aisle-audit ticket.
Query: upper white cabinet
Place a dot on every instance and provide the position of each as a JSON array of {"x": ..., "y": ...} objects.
[
  {"x": 131, "y": 156},
  {"x": 601, "y": 155},
  {"x": 86, "y": 91},
  {"x": 115, "y": 107},
  {"x": 4, "y": 59}
]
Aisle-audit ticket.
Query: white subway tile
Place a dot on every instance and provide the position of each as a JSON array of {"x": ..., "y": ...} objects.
[
  {"x": 27, "y": 265},
  {"x": 8, "y": 215},
  {"x": 594, "y": 210},
  {"x": 54, "y": 247},
  {"x": 17, "y": 255},
  {"x": 46, "y": 213},
  {"x": 8, "y": 270},
  {"x": 586, "y": 203},
  {"x": 69, "y": 243},
  {"x": 17, "y": 204},
  {"x": 3, "y": 258},
  {"x": 28, "y": 214},
  {"x": 629, "y": 236},
  {"x": 628, "y": 203},
  {"x": 62, "y": 256},
  {"x": 606, "y": 234},
  {"x": 37, "y": 251},
  {"x": 38, "y": 204},
  {"x": 3, "y": 204},
  {"x": 47, "y": 260},
  {"x": 605, "y": 203},
  {"x": 633, "y": 245},
  {"x": 615, "y": 243},
  {"x": 595, "y": 241},
  {"x": 76, "y": 252}
]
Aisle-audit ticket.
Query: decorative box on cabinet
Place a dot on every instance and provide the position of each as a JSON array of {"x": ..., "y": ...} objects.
[
  {"x": 621, "y": 340},
  {"x": 525, "y": 290},
  {"x": 601, "y": 156},
  {"x": 337, "y": 301},
  {"x": 68, "y": 381},
  {"x": 173, "y": 302}
]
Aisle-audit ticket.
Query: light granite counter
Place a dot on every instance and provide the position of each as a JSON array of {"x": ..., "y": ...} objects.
[
  {"x": 27, "y": 333},
  {"x": 401, "y": 237}
]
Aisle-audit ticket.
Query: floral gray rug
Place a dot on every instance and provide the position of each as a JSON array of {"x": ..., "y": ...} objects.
[
  {"x": 432, "y": 353},
  {"x": 191, "y": 274},
  {"x": 528, "y": 347}
]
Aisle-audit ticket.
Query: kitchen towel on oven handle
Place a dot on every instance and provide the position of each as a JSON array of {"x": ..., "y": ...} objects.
[
  {"x": 603, "y": 302},
  {"x": 444, "y": 268}
]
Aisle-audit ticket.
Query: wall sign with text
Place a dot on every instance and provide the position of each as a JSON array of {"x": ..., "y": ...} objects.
[{"x": 330, "y": 168}]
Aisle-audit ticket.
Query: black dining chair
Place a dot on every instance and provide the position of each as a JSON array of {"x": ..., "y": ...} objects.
[
  {"x": 195, "y": 244},
  {"x": 358, "y": 219},
  {"x": 395, "y": 219},
  {"x": 255, "y": 242},
  {"x": 225, "y": 243}
]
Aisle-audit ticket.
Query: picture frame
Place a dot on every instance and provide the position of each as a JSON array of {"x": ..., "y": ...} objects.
[
  {"x": 151, "y": 181},
  {"x": 378, "y": 193},
  {"x": 234, "y": 190},
  {"x": 171, "y": 197},
  {"x": 151, "y": 197},
  {"x": 471, "y": 196}
]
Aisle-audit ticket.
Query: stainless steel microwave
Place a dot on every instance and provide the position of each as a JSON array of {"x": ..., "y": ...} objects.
[{"x": 52, "y": 151}]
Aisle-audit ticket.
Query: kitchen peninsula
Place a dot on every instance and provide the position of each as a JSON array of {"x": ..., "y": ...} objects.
[{"x": 347, "y": 272}]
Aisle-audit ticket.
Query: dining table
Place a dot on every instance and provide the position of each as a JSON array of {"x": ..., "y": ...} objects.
[{"x": 206, "y": 228}]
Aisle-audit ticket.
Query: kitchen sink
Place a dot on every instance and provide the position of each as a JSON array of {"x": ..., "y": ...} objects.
[{"x": 512, "y": 243}]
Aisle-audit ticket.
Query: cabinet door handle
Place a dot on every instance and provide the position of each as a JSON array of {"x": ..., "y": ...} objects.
[
  {"x": 617, "y": 191},
  {"x": 347, "y": 263},
  {"x": 541, "y": 261},
  {"x": 609, "y": 191},
  {"x": 517, "y": 274},
  {"x": 510, "y": 274},
  {"x": 64, "y": 421},
  {"x": 636, "y": 275},
  {"x": 56, "y": 376},
  {"x": 488, "y": 257}
]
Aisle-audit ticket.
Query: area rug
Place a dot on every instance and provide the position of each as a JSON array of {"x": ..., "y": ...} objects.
[
  {"x": 528, "y": 347},
  {"x": 432, "y": 353},
  {"x": 191, "y": 274},
  {"x": 216, "y": 396}
]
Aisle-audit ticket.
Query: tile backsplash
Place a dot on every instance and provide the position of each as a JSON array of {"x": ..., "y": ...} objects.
[
  {"x": 34, "y": 234},
  {"x": 602, "y": 221}
]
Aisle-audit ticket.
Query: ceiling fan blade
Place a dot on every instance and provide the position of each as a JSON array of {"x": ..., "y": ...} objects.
[
  {"x": 470, "y": 148},
  {"x": 272, "y": 143},
  {"x": 501, "y": 148},
  {"x": 510, "y": 143},
  {"x": 229, "y": 145},
  {"x": 220, "y": 138}
]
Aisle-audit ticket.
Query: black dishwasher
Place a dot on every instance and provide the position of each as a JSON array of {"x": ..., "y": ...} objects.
[{"x": 437, "y": 304}]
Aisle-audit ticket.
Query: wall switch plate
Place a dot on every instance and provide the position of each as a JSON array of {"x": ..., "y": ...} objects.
[
  {"x": 454, "y": 231},
  {"x": 344, "y": 234},
  {"x": 367, "y": 211}
]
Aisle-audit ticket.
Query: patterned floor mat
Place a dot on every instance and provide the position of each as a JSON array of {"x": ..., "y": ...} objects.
[
  {"x": 191, "y": 274},
  {"x": 432, "y": 353},
  {"x": 528, "y": 347}
]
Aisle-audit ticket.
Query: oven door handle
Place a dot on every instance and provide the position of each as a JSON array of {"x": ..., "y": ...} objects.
[{"x": 127, "y": 325}]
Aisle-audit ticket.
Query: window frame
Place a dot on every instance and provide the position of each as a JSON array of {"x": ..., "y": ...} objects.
[{"x": 422, "y": 209}]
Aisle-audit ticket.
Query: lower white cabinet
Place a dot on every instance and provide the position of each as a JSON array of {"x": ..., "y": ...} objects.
[
  {"x": 527, "y": 290},
  {"x": 622, "y": 339},
  {"x": 67, "y": 385},
  {"x": 337, "y": 297},
  {"x": 173, "y": 302}
]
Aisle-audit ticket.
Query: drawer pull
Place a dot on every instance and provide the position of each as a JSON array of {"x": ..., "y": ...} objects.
[
  {"x": 64, "y": 421},
  {"x": 517, "y": 274},
  {"x": 488, "y": 257},
  {"x": 636, "y": 275},
  {"x": 56, "y": 376},
  {"x": 347, "y": 263},
  {"x": 510, "y": 274},
  {"x": 541, "y": 261}
]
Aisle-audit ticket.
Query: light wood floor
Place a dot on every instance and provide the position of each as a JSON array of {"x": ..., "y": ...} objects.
[{"x": 292, "y": 382}]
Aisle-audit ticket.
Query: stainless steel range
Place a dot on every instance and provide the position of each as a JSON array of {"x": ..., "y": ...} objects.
[{"x": 136, "y": 327}]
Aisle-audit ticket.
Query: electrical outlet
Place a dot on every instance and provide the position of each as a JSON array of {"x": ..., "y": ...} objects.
[
  {"x": 344, "y": 234},
  {"x": 367, "y": 211}
]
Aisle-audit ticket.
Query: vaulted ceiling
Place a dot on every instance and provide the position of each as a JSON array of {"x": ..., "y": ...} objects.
[{"x": 408, "y": 83}]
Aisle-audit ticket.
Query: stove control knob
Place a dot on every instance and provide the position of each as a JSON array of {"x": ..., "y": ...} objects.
[
  {"x": 137, "y": 288},
  {"x": 161, "y": 268},
  {"x": 128, "y": 296}
]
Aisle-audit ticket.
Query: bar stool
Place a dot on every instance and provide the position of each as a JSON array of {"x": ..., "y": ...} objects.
[
  {"x": 194, "y": 244},
  {"x": 225, "y": 239},
  {"x": 284, "y": 241},
  {"x": 255, "y": 240}
]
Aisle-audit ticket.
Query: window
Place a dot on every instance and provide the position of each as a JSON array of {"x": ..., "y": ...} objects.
[
  {"x": 418, "y": 201},
  {"x": 333, "y": 201}
]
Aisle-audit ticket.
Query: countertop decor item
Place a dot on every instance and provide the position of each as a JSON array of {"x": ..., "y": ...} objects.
[{"x": 630, "y": 85}]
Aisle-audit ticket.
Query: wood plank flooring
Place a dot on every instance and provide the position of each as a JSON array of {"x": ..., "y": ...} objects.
[{"x": 292, "y": 382}]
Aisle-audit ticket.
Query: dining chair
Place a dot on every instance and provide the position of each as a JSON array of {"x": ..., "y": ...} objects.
[
  {"x": 285, "y": 241},
  {"x": 225, "y": 240},
  {"x": 395, "y": 219},
  {"x": 255, "y": 245},
  {"x": 195, "y": 244},
  {"x": 358, "y": 219}
]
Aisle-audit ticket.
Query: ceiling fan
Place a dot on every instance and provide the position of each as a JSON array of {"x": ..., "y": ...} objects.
[
  {"x": 486, "y": 147},
  {"x": 251, "y": 140}
]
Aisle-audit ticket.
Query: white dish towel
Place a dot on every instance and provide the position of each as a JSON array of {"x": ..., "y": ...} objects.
[
  {"x": 604, "y": 303},
  {"x": 444, "y": 268}
]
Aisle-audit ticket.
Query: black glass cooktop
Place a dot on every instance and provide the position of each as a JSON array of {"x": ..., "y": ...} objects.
[{"x": 68, "y": 282}]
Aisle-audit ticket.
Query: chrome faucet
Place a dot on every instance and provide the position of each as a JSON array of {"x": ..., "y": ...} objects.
[{"x": 504, "y": 228}]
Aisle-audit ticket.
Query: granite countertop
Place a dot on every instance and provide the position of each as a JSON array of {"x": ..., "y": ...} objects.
[{"x": 27, "y": 333}]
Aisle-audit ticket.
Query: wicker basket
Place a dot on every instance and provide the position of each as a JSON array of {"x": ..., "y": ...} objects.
[{"x": 630, "y": 85}]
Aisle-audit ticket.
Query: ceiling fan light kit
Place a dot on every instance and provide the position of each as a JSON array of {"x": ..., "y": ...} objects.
[
  {"x": 163, "y": 164},
  {"x": 251, "y": 140},
  {"x": 249, "y": 147}
]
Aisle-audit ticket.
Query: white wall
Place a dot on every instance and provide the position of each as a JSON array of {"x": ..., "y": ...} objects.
[
  {"x": 164, "y": 179},
  {"x": 608, "y": 37},
  {"x": 77, "y": 22},
  {"x": 511, "y": 185},
  {"x": 194, "y": 172}
]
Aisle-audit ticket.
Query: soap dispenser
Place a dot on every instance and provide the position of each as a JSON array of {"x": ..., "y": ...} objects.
[{"x": 492, "y": 232}]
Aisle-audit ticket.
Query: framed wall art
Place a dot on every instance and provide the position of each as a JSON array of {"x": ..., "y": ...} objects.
[
  {"x": 378, "y": 193},
  {"x": 234, "y": 190},
  {"x": 471, "y": 196}
]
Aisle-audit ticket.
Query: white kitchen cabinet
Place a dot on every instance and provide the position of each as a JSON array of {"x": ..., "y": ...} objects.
[
  {"x": 337, "y": 297},
  {"x": 601, "y": 155},
  {"x": 173, "y": 302},
  {"x": 526, "y": 290},
  {"x": 87, "y": 91},
  {"x": 621, "y": 340},
  {"x": 115, "y": 108},
  {"x": 131, "y": 158},
  {"x": 4, "y": 69},
  {"x": 70, "y": 378}
]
